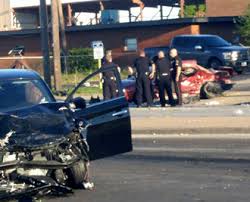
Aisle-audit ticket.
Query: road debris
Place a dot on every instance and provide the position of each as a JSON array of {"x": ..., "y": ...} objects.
[{"x": 42, "y": 154}]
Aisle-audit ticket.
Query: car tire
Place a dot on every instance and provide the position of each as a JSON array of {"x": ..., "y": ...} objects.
[
  {"x": 210, "y": 90},
  {"x": 77, "y": 174},
  {"x": 214, "y": 63}
]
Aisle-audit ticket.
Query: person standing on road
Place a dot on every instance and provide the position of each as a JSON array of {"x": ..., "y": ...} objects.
[
  {"x": 109, "y": 79},
  {"x": 176, "y": 66},
  {"x": 163, "y": 67},
  {"x": 107, "y": 53},
  {"x": 143, "y": 76}
]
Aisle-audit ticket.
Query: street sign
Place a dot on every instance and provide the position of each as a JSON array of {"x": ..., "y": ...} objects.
[{"x": 98, "y": 50}]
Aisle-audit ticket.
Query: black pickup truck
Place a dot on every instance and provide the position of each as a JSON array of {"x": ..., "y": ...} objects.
[{"x": 212, "y": 51}]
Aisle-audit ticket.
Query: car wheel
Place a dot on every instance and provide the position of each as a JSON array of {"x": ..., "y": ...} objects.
[
  {"x": 214, "y": 63},
  {"x": 60, "y": 177},
  {"x": 210, "y": 90},
  {"x": 78, "y": 174}
]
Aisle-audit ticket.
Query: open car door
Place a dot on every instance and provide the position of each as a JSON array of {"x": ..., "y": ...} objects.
[{"x": 109, "y": 127}]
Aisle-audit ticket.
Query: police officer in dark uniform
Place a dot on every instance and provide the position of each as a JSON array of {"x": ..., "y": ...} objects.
[
  {"x": 176, "y": 64},
  {"x": 109, "y": 79},
  {"x": 108, "y": 53},
  {"x": 143, "y": 76},
  {"x": 163, "y": 67}
]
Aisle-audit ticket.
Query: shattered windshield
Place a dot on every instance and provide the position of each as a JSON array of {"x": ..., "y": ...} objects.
[{"x": 17, "y": 94}]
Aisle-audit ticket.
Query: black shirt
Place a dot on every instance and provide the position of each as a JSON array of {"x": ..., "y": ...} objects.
[
  {"x": 175, "y": 63},
  {"x": 109, "y": 74},
  {"x": 142, "y": 64},
  {"x": 163, "y": 66}
]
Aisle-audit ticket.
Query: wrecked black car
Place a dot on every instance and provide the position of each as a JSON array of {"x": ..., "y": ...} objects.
[{"x": 45, "y": 145}]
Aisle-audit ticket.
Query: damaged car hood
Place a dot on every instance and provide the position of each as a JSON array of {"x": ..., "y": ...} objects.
[{"x": 41, "y": 125}]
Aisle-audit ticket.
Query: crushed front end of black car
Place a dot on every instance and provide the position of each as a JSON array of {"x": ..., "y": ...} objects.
[{"x": 43, "y": 151}]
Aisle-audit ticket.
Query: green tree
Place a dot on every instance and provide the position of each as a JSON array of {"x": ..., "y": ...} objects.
[
  {"x": 244, "y": 26},
  {"x": 191, "y": 11}
]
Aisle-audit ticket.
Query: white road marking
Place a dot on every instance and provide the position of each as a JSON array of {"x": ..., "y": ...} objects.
[
  {"x": 192, "y": 136},
  {"x": 192, "y": 150}
]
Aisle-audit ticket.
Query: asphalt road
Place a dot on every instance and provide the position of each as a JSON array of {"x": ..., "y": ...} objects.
[
  {"x": 182, "y": 167},
  {"x": 173, "y": 168}
]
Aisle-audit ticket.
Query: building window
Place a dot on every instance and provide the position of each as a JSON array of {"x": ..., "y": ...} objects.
[{"x": 130, "y": 44}]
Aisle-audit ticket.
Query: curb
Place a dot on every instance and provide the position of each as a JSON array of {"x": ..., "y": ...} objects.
[{"x": 192, "y": 131}]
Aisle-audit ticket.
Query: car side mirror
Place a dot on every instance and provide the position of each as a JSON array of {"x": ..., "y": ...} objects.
[
  {"x": 198, "y": 48},
  {"x": 79, "y": 103}
]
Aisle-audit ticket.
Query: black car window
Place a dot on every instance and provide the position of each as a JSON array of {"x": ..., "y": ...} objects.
[
  {"x": 192, "y": 42},
  {"x": 215, "y": 41},
  {"x": 179, "y": 41},
  {"x": 17, "y": 94},
  {"x": 185, "y": 42}
]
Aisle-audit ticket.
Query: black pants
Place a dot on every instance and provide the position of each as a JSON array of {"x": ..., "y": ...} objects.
[
  {"x": 143, "y": 90},
  {"x": 165, "y": 85},
  {"x": 177, "y": 86},
  {"x": 109, "y": 89}
]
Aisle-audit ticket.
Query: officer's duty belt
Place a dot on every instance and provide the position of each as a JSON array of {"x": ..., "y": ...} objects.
[
  {"x": 110, "y": 78},
  {"x": 164, "y": 74}
]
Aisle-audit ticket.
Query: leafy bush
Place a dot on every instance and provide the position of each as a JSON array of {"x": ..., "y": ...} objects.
[
  {"x": 81, "y": 60},
  {"x": 191, "y": 10},
  {"x": 244, "y": 27}
]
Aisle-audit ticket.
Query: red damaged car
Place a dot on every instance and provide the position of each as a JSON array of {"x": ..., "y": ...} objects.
[{"x": 197, "y": 82}]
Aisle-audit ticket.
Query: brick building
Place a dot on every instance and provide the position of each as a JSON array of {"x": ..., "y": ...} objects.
[
  {"x": 217, "y": 8},
  {"x": 125, "y": 39}
]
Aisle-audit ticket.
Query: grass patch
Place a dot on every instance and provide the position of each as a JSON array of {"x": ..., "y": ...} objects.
[
  {"x": 89, "y": 91},
  {"x": 71, "y": 80}
]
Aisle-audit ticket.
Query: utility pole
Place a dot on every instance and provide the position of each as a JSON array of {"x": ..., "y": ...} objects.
[
  {"x": 69, "y": 22},
  {"x": 45, "y": 41},
  {"x": 56, "y": 46},
  {"x": 182, "y": 5},
  {"x": 63, "y": 35}
]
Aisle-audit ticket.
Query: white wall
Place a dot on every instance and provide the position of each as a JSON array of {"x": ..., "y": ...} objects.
[
  {"x": 25, "y": 21},
  {"x": 28, "y": 3},
  {"x": 5, "y": 15}
]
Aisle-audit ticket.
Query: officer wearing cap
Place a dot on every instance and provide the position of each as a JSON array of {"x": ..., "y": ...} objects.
[
  {"x": 143, "y": 76},
  {"x": 109, "y": 79},
  {"x": 176, "y": 64},
  {"x": 163, "y": 67}
]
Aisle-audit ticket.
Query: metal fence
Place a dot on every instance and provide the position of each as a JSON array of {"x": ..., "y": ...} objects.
[{"x": 74, "y": 68}]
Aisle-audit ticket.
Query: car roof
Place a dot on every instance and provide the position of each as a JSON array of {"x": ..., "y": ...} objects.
[
  {"x": 197, "y": 35},
  {"x": 13, "y": 74}
]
